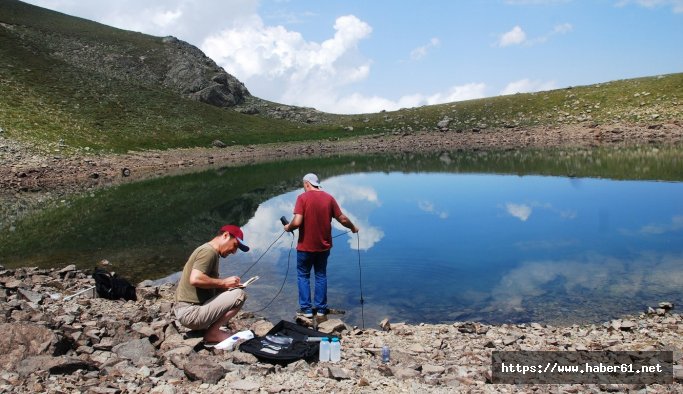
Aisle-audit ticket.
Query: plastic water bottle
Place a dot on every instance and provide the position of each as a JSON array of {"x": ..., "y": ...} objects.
[
  {"x": 324, "y": 354},
  {"x": 385, "y": 354},
  {"x": 335, "y": 350}
]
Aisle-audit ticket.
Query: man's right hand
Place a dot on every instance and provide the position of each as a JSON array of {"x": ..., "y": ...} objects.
[{"x": 231, "y": 281}]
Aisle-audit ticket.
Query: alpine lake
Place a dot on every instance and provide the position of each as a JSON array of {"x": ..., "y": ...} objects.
[{"x": 552, "y": 236}]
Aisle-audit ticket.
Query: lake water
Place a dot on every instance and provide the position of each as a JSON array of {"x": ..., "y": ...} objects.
[
  {"x": 445, "y": 238},
  {"x": 445, "y": 247}
]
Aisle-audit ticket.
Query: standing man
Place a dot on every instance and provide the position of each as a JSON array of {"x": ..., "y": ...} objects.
[
  {"x": 313, "y": 213},
  {"x": 203, "y": 300}
]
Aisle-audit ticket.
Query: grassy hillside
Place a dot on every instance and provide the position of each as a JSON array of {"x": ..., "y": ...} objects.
[{"x": 51, "y": 102}]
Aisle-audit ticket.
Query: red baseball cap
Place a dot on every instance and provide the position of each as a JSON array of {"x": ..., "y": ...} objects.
[{"x": 237, "y": 233}]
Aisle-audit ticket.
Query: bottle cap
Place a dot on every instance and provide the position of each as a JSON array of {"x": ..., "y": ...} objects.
[
  {"x": 325, "y": 339},
  {"x": 335, "y": 339}
]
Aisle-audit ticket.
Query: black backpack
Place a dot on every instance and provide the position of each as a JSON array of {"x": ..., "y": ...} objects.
[
  {"x": 273, "y": 347},
  {"x": 112, "y": 287}
]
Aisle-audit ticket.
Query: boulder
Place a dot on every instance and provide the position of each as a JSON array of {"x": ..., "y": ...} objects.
[
  {"x": 30, "y": 296},
  {"x": 261, "y": 327},
  {"x": 21, "y": 340},
  {"x": 204, "y": 369},
  {"x": 217, "y": 95},
  {"x": 443, "y": 124},
  {"x": 332, "y": 325},
  {"x": 135, "y": 350},
  {"x": 61, "y": 365}
]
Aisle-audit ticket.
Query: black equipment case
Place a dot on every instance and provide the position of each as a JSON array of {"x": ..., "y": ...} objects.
[{"x": 275, "y": 347}]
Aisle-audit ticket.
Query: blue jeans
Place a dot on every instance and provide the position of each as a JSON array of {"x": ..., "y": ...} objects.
[{"x": 304, "y": 262}]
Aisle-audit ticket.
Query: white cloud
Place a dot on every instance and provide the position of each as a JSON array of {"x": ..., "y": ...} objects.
[
  {"x": 358, "y": 198},
  {"x": 520, "y": 211},
  {"x": 655, "y": 229},
  {"x": 458, "y": 93},
  {"x": 676, "y": 5},
  {"x": 526, "y": 86},
  {"x": 601, "y": 276},
  {"x": 357, "y": 103},
  {"x": 420, "y": 52},
  {"x": 184, "y": 19},
  {"x": 516, "y": 36},
  {"x": 524, "y": 211},
  {"x": 282, "y": 65},
  {"x": 563, "y": 28},
  {"x": 429, "y": 207},
  {"x": 166, "y": 18}
]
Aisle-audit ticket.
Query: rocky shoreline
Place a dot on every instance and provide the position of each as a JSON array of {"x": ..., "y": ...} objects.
[
  {"x": 56, "y": 343},
  {"x": 22, "y": 170},
  {"x": 32, "y": 179}
]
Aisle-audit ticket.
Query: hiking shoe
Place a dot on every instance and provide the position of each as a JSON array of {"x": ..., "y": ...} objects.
[
  {"x": 306, "y": 313},
  {"x": 322, "y": 312}
]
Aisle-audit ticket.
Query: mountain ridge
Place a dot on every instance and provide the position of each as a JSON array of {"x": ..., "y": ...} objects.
[{"x": 71, "y": 85}]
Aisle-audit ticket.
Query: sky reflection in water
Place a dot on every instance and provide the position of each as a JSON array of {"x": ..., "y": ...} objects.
[{"x": 442, "y": 247}]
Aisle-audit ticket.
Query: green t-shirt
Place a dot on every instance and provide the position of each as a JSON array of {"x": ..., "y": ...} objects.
[{"x": 205, "y": 258}]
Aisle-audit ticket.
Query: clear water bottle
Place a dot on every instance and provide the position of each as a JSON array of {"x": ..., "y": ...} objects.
[
  {"x": 324, "y": 354},
  {"x": 386, "y": 354},
  {"x": 335, "y": 350}
]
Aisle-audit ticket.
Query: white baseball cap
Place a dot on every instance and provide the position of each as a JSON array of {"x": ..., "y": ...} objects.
[{"x": 312, "y": 179}]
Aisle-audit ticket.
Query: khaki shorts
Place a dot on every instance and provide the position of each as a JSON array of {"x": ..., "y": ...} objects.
[{"x": 199, "y": 317}]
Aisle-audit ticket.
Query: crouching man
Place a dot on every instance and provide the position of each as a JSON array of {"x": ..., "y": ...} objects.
[{"x": 202, "y": 299}]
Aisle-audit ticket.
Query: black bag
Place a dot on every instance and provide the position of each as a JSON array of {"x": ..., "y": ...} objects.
[
  {"x": 112, "y": 287},
  {"x": 273, "y": 347}
]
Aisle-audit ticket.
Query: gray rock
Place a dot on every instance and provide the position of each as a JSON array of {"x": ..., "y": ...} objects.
[
  {"x": 68, "y": 268},
  {"x": 204, "y": 369},
  {"x": 244, "y": 385},
  {"x": 135, "y": 350},
  {"x": 405, "y": 373},
  {"x": 163, "y": 389},
  {"x": 331, "y": 325},
  {"x": 13, "y": 284},
  {"x": 217, "y": 95},
  {"x": 251, "y": 110},
  {"x": 432, "y": 369},
  {"x": 62, "y": 365},
  {"x": 261, "y": 328},
  {"x": 143, "y": 329},
  {"x": 338, "y": 373},
  {"x": 444, "y": 123},
  {"x": 31, "y": 296},
  {"x": 219, "y": 144},
  {"x": 104, "y": 344},
  {"x": 509, "y": 340},
  {"x": 103, "y": 357},
  {"x": 243, "y": 358}
]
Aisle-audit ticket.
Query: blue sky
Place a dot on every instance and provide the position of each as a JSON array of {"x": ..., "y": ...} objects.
[{"x": 358, "y": 56}]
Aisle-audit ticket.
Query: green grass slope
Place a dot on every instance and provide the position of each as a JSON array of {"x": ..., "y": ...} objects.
[{"x": 53, "y": 104}]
